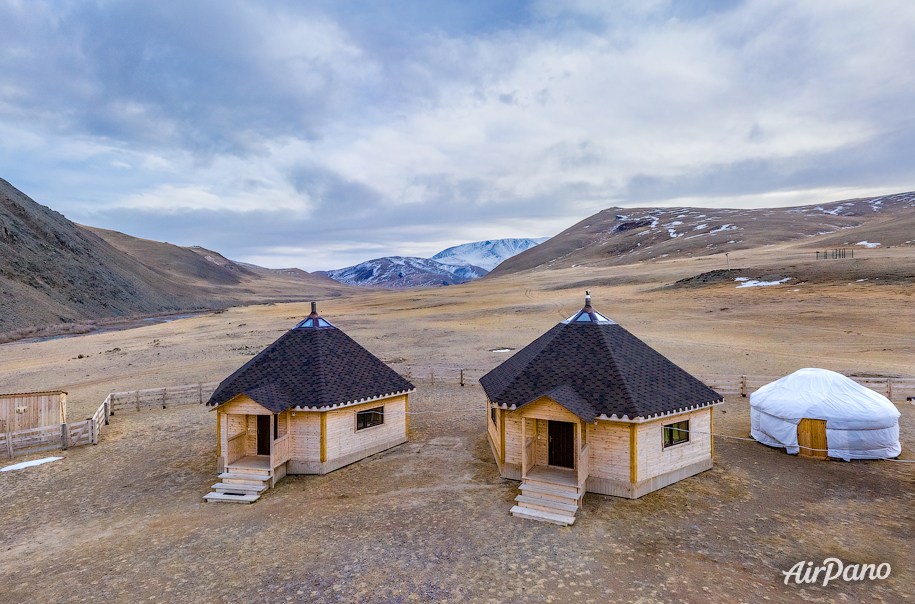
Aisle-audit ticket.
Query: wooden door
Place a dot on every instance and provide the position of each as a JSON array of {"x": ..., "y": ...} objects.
[
  {"x": 263, "y": 435},
  {"x": 811, "y": 438},
  {"x": 561, "y": 450}
]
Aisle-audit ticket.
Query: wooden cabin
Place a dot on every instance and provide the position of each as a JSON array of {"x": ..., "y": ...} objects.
[
  {"x": 588, "y": 407},
  {"x": 311, "y": 402},
  {"x": 27, "y": 410}
]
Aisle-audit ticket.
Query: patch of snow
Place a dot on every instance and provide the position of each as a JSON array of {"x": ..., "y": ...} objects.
[
  {"x": 755, "y": 283},
  {"x": 868, "y": 244},
  {"x": 722, "y": 228},
  {"x": 673, "y": 233},
  {"x": 860, "y": 280},
  {"x": 701, "y": 226},
  {"x": 29, "y": 464},
  {"x": 742, "y": 279}
]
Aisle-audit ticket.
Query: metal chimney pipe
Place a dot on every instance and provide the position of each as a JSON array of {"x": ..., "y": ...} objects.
[
  {"x": 587, "y": 297},
  {"x": 314, "y": 308}
]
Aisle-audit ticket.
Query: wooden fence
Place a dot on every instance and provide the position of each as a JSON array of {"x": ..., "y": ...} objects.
[
  {"x": 46, "y": 438},
  {"x": 73, "y": 434},
  {"x": 160, "y": 398},
  {"x": 894, "y": 388}
]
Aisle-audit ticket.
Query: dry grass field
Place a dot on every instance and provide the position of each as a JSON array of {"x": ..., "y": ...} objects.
[{"x": 428, "y": 521}]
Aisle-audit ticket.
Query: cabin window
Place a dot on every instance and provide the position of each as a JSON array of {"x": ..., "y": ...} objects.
[
  {"x": 492, "y": 416},
  {"x": 676, "y": 433},
  {"x": 369, "y": 418}
]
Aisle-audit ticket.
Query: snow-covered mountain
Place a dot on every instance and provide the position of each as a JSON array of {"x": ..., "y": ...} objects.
[
  {"x": 487, "y": 254},
  {"x": 405, "y": 271}
]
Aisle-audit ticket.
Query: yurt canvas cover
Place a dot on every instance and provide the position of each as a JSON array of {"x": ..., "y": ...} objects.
[{"x": 860, "y": 423}]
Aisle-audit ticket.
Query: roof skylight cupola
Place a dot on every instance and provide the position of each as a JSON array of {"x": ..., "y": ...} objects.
[
  {"x": 314, "y": 320},
  {"x": 588, "y": 315}
]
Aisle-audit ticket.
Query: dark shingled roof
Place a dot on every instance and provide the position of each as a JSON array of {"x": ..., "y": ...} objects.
[
  {"x": 593, "y": 367},
  {"x": 312, "y": 365}
]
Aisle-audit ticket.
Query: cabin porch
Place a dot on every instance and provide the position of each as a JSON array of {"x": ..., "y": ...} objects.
[
  {"x": 555, "y": 464},
  {"x": 254, "y": 446}
]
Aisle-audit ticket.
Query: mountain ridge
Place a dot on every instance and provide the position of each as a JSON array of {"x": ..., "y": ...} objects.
[{"x": 616, "y": 236}]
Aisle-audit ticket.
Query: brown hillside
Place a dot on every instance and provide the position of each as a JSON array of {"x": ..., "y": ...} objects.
[
  {"x": 617, "y": 236},
  {"x": 53, "y": 271}
]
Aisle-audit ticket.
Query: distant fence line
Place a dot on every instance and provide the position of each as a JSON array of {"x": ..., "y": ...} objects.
[
  {"x": 73, "y": 434},
  {"x": 894, "y": 388}
]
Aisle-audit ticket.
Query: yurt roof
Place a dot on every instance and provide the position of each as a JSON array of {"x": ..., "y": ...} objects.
[
  {"x": 314, "y": 365},
  {"x": 822, "y": 394},
  {"x": 595, "y": 368}
]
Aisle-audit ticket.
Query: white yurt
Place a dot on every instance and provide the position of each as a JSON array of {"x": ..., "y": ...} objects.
[{"x": 813, "y": 411}]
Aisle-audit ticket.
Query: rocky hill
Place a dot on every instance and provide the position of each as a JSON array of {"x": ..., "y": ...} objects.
[
  {"x": 625, "y": 235},
  {"x": 53, "y": 271}
]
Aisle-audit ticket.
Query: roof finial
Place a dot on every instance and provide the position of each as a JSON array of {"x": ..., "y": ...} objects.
[{"x": 587, "y": 297}]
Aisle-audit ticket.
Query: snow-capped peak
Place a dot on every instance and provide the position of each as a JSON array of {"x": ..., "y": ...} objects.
[{"x": 486, "y": 254}]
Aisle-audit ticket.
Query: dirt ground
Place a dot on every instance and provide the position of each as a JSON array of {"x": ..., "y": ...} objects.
[{"x": 428, "y": 521}]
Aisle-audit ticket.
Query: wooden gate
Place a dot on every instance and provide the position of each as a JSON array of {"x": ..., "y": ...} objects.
[{"x": 811, "y": 438}]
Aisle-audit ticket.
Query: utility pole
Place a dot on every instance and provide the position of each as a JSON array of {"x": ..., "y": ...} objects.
[{"x": 728, "y": 261}]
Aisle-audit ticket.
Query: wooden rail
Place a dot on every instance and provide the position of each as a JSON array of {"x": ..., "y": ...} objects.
[
  {"x": 527, "y": 458},
  {"x": 236, "y": 448},
  {"x": 584, "y": 464},
  {"x": 161, "y": 398},
  {"x": 281, "y": 452}
]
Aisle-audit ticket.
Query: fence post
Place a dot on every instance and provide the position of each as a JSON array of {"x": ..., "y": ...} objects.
[
  {"x": 164, "y": 390},
  {"x": 462, "y": 378},
  {"x": 107, "y": 408},
  {"x": 93, "y": 431},
  {"x": 889, "y": 388},
  {"x": 9, "y": 444},
  {"x": 200, "y": 392},
  {"x": 743, "y": 386},
  {"x": 138, "y": 400},
  {"x": 64, "y": 436}
]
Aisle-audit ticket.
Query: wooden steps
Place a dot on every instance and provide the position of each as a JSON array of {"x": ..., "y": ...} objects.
[
  {"x": 230, "y": 498},
  {"x": 548, "y": 502},
  {"x": 532, "y": 514},
  {"x": 239, "y": 485}
]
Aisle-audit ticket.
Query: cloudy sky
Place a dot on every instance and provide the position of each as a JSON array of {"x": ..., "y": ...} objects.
[{"x": 320, "y": 134}]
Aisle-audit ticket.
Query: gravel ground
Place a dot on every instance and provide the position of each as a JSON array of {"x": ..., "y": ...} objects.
[{"x": 428, "y": 521}]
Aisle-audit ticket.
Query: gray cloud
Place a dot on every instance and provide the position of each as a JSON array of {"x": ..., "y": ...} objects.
[{"x": 318, "y": 134}]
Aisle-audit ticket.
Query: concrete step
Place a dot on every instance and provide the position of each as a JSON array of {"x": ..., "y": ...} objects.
[
  {"x": 231, "y": 477},
  {"x": 547, "y": 505},
  {"x": 238, "y": 488},
  {"x": 564, "y": 495},
  {"x": 230, "y": 498},
  {"x": 554, "y": 518}
]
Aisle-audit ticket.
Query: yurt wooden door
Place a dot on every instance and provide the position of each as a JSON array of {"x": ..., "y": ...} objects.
[{"x": 811, "y": 434}]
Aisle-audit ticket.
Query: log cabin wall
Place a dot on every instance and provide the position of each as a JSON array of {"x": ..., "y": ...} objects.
[
  {"x": 345, "y": 444},
  {"x": 654, "y": 459},
  {"x": 609, "y": 450}
]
